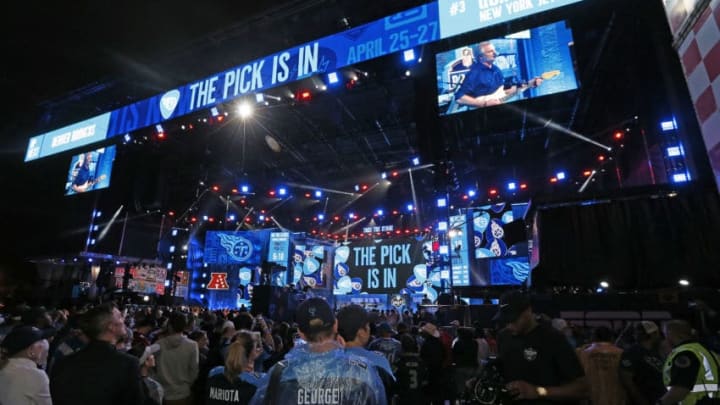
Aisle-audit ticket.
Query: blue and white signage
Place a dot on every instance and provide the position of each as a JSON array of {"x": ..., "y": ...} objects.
[
  {"x": 461, "y": 16},
  {"x": 392, "y": 34}
]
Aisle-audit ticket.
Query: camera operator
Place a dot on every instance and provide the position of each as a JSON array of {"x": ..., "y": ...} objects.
[{"x": 538, "y": 364}]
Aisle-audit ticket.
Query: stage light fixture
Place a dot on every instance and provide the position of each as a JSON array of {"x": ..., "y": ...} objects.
[
  {"x": 441, "y": 202},
  {"x": 127, "y": 138},
  {"x": 333, "y": 78},
  {"x": 471, "y": 193},
  {"x": 680, "y": 178},
  {"x": 668, "y": 125},
  {"x": 416, "y": 161},
  {"x": 442, "y": 226},
  {"x": 383, "y": 175},
  {"x": 159, "y": 129},
  {"x": 357, "y": 187},
  {"x": 408, "y": 73},
  {"x": 259, "y": 98},
  {"x": 304, "y": 95},
  {"x": 683, "y": 282},
  {"x": 169, "y": 266},
  {"x": 214, "y": 111},
  {"x": 618, "y": 135},
  {"x": 512, "y": 186},
  {"x": 167, "y": 283},
  {"x": 282, "y": 191},
  {"x": 202, "y": 296},
  {"x": 351, "y": 215},
  {"x": 553, "y": 180},
  {"x": 245, "y": 188},
  {"x": 674, "y": 151},
  {"x": 409, "y": 55},
  {"x": 604, "y": 284},
  {"x": 560, "y": 175},
  {"x": 318, "y": 194},
  {"x": 523, "y": 186},
  {"x": 172, "y": 249},
  {"x": 231, "y": 218},
  {"x": 321, "y": 217},
  {"x": 410, "y": 207},
  {"x": 379, "y": 213}
]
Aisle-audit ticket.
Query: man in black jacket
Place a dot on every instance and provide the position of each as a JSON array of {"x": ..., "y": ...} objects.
[{"x": 98, "y": 374}]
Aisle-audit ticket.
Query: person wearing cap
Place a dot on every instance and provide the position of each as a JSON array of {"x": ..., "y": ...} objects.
[
  {"x": 146, "y": 356},
  {"x": 691, "y": 371},
  {"x": 641, "y": 365},
  {"x": 433, "y": 353},
  {"x": 538, "y": 364},
  {"x": 385, "y": 343},
  {"x": 354, "y": 328},
  {"x": 320, "y": 371},
  {"x": 22, "y": 381},
  {"x": 98, "y": 373}
]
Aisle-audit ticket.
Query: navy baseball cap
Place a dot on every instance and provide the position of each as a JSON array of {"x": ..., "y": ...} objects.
[
  {"x": 22, "y": 337},
  {"x": 314, "y": 315}
]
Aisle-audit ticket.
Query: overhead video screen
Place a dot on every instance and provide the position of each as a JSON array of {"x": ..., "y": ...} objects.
[
  {"x": 490, "y": 72},
  {"x": 90, "y": 171}
]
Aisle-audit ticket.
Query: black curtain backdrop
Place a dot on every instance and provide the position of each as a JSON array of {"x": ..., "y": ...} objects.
[{"x": 635, "y": 243}]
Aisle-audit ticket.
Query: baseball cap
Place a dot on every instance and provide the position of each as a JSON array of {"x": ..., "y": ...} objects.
[
  {"x": 648, "y": 327},
  {"x": 314, "y": 315},
  {"x": 22, "y": 337},
  {"x": 512, "y": 304},
  {"x": 350, "y": 319},
  {"x": 385, "y": 327}
]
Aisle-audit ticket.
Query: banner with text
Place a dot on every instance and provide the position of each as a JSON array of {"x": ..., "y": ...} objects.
[
  {"x": 380, "y": 266},
  {"x": 244, "y": 248}
]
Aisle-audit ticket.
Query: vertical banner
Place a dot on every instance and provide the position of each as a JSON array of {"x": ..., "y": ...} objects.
[
  {"x": 307, "y": 264},
  {"x": 459, "y": 257}
]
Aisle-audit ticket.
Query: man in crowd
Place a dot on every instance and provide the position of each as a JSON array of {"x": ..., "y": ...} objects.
[
  {"x": 538, "y": 363},
  {"x": 641, "y": 366},
  {"x": 691, "y": 370},
  {"x": 385, "y": 343},
  {"x": 177, "y": 363},
  {"x": 98, "y": 373},
  {"x": 354, "y": 328},
  {"x": 320, "y": 371}
]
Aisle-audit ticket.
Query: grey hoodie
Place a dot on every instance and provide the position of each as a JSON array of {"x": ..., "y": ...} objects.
[{"x": 176, "y": 365}]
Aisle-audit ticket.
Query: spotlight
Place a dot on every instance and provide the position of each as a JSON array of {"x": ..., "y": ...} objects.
[
  {"x": 214, "y": 112},
  {"x": 259, "y": 97},
  {"x": 441, "y": 202},
  {"x": 357, "y": 187},
  {"x": 282, "y": 191},
  {"x": 383, "y": 175},
  {"x": 244, "y": 188},
  {"x": 416, "y": 161},
  {"x": 683, "y": 282},
  {"x": 668, "y": 125},
  {"x": 604, "y": 284},
  {"x": 318, "y": 193},
  {"x": 231, "y": 218},
  {"x": 512, "y": 186},
  {"x": 245, "y": 110},
  {"x": 410, "y": 207},
  {"x": 680, "y": 178},
  {"x": 674, "y": 151},
  {"x": 159, "y": 129},
  {"x": 442, "y": 226},
  {"x": 379, "y": 213},
  {"x": 321, "y": 217},
  {"x": 333, "y": 78},
  {"x": 409, "y": 55},
  {"x": 471, "y": 193},
  {"x": 560, "y": 175}
]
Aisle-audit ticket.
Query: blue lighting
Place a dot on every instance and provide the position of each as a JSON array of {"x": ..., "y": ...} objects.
[
  {"x": 410, "y": 207},
  {"x": 441, "y": 202},
  {"x": 244, "y": 188},
  {"x": 169, "y": 266},
  {"x": 675, "y": 151},
  {"x": 668, "y": 125},
  {"x": 202, "y": 296},
  {"x": 416, "y": 161},
  {"x": 214, "y": 111},
  {"x": 333, "y": 78},
  {"x": 172, "y": 248},
  {"x": 512, "y": 186},
  {"x": 357, "y": 187},
  {"x": 442, "y": 226},
  {"x": 351, "y": 215},
  {"x": 282, "y": 191},
  {"x": 444, "y": 249},
  {"x": 167, "y": 283},
  {"x": 159, "y": 128},
  {"x": 680, "y": 178},
  {"x": 409, "y": 55},
  {"x": 174, "y": 232},
  {"x": 205, "y": 217},
  {"x": 231, "y": 217},
  {"x": 321, "y": 217},
  {"x": 259, "y": 97},
  {"x": 383, "y": 175},
  {"x": 471, "y": 193},
  {"x": 318, "y": 193},
  {"x": 127, "y": 138},
  {"x": 380, "y": 213},
  {"x": 560, "y": 175},
  {"x": 261, "y": 218}
]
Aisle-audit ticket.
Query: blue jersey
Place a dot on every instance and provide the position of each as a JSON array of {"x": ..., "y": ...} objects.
[
  {"x": 253, "y": 378},
  {"x": 333, "y": 377}
]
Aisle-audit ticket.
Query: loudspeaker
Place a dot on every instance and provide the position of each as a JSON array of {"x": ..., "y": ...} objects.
[{"x": 261, "y": 300}]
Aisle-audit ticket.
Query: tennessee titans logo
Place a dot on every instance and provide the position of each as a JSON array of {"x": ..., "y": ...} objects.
[{"x": 237, "y": 247}]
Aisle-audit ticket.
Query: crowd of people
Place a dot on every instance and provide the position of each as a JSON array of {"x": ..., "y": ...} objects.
[{"x": 106, "y": 354}]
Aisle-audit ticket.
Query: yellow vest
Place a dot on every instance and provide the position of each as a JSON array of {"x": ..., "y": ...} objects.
[{"x": 706, "y": 382}]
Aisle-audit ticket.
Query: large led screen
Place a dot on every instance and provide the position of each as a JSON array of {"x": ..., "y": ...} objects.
[
  {"x": 90, "y": 171},
  {"x": 527, "y": 64}
]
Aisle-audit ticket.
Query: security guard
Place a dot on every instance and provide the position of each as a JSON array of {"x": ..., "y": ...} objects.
[{"x": 691, "y": 370}]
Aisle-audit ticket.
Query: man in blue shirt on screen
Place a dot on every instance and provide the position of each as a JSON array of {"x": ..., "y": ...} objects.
[
  {"x": 320, "y": 371},
  {"x": 483, "y": 84}
]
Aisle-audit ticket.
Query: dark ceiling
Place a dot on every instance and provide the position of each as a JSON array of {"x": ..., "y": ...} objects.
[{"x": 94, "y": 58}]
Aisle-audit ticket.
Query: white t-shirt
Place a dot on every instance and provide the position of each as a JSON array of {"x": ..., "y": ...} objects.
[{"x": 23, "y": 382}]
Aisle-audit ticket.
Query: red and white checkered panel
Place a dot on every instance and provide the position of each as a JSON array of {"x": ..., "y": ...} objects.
[{"x": 700, "y": 55}]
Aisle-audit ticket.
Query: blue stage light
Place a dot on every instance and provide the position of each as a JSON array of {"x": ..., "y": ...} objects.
[
  {"x": 560, "y": 175},
  {"x": 442, "y": 226},
  {"x": 379, "y": 213},
  {"x": 409, "y": 55},
  {"x": 383, "y": 175},
  {"x": 512, "y": 186},
  {"x": 680, "y": 178},
  {"x": 259, "y": 97},
  {"x": 410, "y": 207},
  {"x": 441, "y": 202},
  {"x": 318, "y": 193},
  {"x": 244, "y": 188},
  {"x": 675, "y": 151},
  {"x": 416, "y": 161},
  {"x": 282, "y": 191},
  {"x": 321, "y": 217},
  {"x": 471, "y": 193},
  {"x": 333, "y": 78},
  {"x": 261, "y": 218},
  {"x": 668, "y": 125}
]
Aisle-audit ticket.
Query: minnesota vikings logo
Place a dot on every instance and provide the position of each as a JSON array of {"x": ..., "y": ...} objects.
[{"x": 237, "y": 247}]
